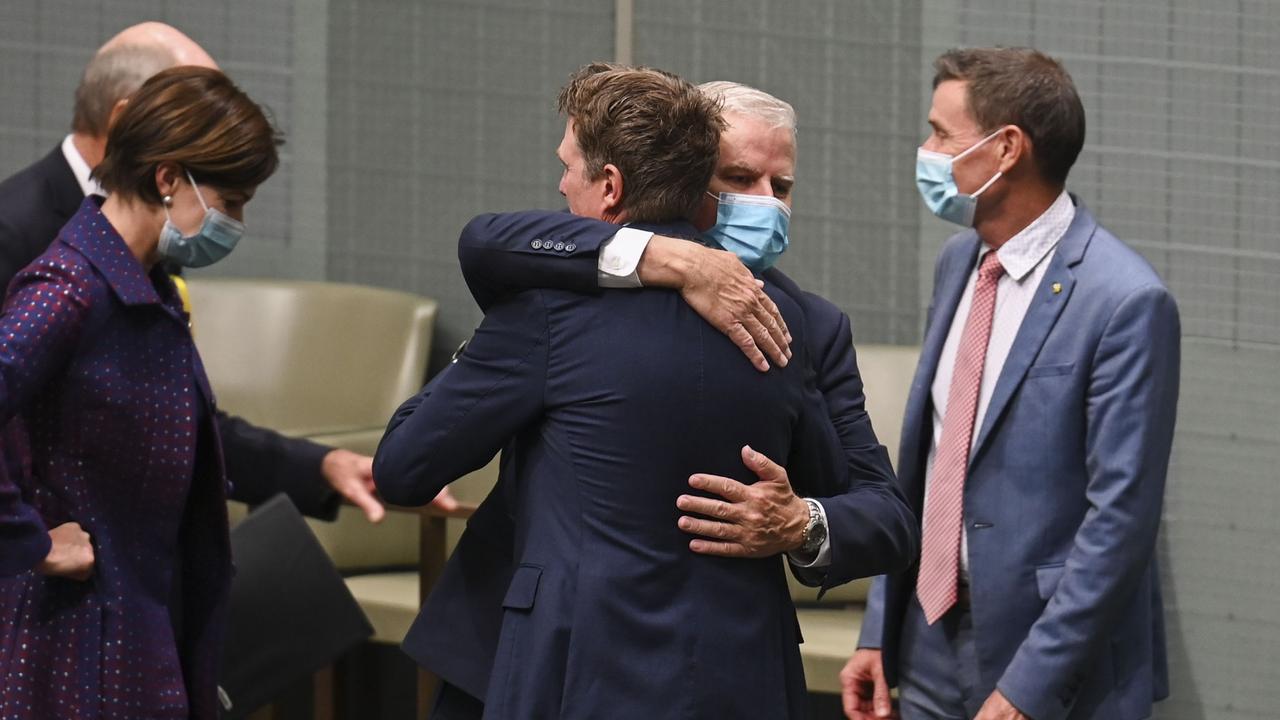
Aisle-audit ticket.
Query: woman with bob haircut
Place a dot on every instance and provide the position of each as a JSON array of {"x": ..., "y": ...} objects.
[{"x": 114, "y": 553}]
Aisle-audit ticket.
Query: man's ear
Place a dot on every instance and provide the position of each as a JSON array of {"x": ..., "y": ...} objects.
[
  {"x": 705, "y": 215},
  {"x": 116, "y": 111},
  {"x": 1014, "y": 147},
  {"x": 611, "y": 195}
]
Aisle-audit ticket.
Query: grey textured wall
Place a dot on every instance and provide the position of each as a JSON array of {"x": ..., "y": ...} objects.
[
  {"x": 44, "y": 45},
  {"x": 437, "y": 112},
  {"x": 405, "y": 118},
  {"x": 850, "y": 70}
]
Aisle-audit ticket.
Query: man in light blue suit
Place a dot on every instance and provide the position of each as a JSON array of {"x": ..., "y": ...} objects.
[{"x": 1037, "y": 431}]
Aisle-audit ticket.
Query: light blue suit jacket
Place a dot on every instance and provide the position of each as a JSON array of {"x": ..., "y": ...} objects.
[{"x": 1062, "y": 500}]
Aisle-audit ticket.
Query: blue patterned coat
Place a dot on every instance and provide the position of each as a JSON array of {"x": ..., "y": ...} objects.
[{"x": 97, "y": 367}]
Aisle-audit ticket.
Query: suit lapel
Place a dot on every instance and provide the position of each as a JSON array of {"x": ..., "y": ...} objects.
[
  {"x": 1039, "y": 320},
  {"x": 919, "y": 421},
  {"x": 64, "y": 189}
]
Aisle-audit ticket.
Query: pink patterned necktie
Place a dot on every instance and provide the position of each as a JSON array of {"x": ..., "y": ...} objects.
[{"x": 944, "y": 509}]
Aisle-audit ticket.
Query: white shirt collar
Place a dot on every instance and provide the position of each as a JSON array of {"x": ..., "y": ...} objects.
[
  {"x": 80, "y": 168},
  {"x": 1024, "y": 251}
]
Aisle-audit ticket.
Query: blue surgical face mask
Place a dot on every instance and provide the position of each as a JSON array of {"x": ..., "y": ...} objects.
[
  {"x": 937, "y": 184},
  {"x": 215, "y": 239},
  {"x": 753, "y": 227}
]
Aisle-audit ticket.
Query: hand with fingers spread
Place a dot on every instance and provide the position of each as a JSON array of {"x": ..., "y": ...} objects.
[
  {"x": 751, "y": 521},
  {"x": 351, "y": 475},
  {"x": 723, "y": 291}
]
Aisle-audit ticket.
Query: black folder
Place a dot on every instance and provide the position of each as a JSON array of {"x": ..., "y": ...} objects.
[{"x": 291, "y": 613}]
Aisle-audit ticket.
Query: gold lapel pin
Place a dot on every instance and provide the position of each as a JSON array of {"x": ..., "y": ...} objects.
[{"x": 1057, "y": 288}]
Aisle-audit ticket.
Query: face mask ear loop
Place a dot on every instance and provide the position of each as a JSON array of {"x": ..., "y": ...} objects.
[
  {"x": 989, "y": 182},
  {"x": 977, "y": 145},
  {"x": 195, "y": 187}
]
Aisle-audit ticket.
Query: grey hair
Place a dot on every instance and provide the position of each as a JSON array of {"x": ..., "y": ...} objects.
[
  {"x": 111, "y": 76},
  {"x": 744, "y": 99}
]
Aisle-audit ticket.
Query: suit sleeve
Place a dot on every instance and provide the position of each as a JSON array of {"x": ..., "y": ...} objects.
[
  {"x": 1131, "y": 404},
  {"x": 871, "y": 634},
  {"x": 43, "y": 320},
  {"x": 499, "y": 257},
  {"x": 13, "y": 254},
  {"x": 466, "y": 414},
  {"x": 262, "y": 462},
  {"x": 871, "y": 528}
]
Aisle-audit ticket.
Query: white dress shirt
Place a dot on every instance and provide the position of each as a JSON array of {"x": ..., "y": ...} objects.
[
  {"x": 617, "y": 268},
  {"x": 620, "y": 258},
  {"x": 80, "y": 169},
  {"x": 1025, "y": 258}
]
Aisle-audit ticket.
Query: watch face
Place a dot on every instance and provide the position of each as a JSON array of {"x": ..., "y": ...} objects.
[
  {"x": 816, "y": 537},
  {"x": 816, "y": 533}
]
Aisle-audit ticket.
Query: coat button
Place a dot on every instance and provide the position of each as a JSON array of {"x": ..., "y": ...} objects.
[
  {"x": 537, "y": 244},
  {"x": 559, "y": 246},
  {"x": 570, "y": 247}
]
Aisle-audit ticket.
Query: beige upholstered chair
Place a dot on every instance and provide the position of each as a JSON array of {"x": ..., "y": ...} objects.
[
  {"x": 831, "y": 629},
  {"x": 392, "y": 599},
  {"x": 326, "y": 361}
]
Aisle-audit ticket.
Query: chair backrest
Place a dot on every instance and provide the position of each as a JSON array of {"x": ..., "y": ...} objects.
[
  {"x": 887, "y": 371},
  {"x": 311, "y": 358},
  {"x": 326, "y": 361}
]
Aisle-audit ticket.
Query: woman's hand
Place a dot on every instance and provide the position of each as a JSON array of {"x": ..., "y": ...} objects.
[{"x": 71, "y": 555}]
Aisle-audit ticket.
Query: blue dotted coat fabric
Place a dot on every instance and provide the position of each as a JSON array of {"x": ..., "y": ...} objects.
[{"x": 109, "y": 424}]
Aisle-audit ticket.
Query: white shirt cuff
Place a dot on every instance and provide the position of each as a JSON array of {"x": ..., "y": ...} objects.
[
  {"x": 620, "y": 257},
  {"x": 823, "y": 558}
]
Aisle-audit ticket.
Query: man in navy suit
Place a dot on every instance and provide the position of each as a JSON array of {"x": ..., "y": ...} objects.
[
  {"x": 605, "y": 406},
  {"x": 38, "y": 200},
  {"x": 870, "y": 528},
  {"x": 1037, "y": 433}
]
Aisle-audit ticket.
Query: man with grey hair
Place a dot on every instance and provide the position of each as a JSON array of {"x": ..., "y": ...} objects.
[{"x": 719, "y": 280}]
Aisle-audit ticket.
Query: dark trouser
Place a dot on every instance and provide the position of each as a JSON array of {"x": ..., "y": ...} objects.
[
  {"x": 453, "y": 703},
  {"x": 938, "y": 669}
]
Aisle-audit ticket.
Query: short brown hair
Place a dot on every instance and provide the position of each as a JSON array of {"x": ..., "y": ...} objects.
[
  {"x": 1023, "y": 87},
  {"x": 661, "y": 132},
  {"x": 195, "y": 117}
]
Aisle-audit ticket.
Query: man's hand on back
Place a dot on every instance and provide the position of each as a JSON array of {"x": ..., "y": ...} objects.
[
  {"x": 752, "y": 521},
  {"x": 723, "y": 291}
]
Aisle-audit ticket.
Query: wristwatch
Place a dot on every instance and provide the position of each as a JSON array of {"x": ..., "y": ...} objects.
[{"x": 815, "y": 533}]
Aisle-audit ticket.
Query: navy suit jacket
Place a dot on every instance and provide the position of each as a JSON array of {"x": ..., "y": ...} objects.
[
  {"x": 34, "y": 205},
  {"x": 872, "y": 531},
  {"x": 1066, "y": 479},
  {"x": 606, "y": 406}
]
